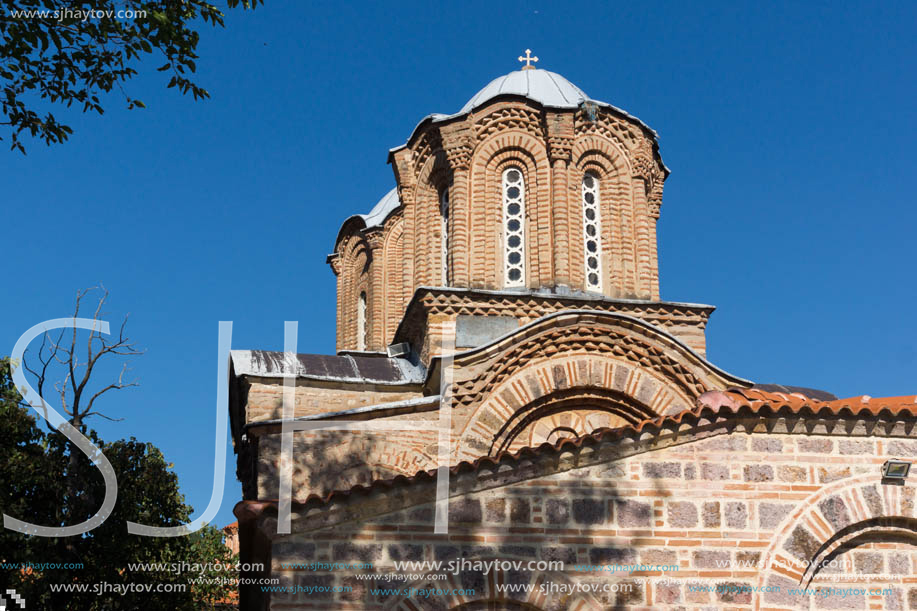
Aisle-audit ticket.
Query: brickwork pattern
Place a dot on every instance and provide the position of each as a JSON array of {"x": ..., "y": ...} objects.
[
  {"x": 431, "y": 306},
  {"x": 467, "y": 157},
  {"x": 727, "y": 511},
  {"x": 565, "y": 376}
]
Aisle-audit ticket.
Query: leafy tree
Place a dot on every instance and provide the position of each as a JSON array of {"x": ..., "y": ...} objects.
[
  {"x": 26, "y": 481},
  {"x": 32, "y": 465},
  {"x": 53, "y": 52}
]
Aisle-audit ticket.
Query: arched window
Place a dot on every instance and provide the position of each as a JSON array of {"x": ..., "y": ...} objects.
[
  {"x": 361, "y": 322},
  {"x": 444, "y": 231},
  {"x": 592, "y": 241},
  {"x": 513, "y": 228}
]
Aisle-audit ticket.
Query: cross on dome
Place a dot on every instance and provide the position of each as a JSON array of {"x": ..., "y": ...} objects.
[{"x": 528, "y": 59}]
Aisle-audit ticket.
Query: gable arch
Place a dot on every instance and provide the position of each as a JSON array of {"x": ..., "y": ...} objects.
[
  {"x": 595, "y": 332},
  {"x": 579, "y": 389},
  {"x": 597, "y": 363}
]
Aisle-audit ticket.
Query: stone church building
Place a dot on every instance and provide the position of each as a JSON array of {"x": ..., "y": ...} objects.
[{"x": 499, "y": 314}]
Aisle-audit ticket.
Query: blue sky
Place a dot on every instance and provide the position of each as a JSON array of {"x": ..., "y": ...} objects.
[{"x": 789, "y": 130}]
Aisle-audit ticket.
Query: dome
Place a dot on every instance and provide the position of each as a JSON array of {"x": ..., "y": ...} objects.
[
  {"x": 546, "y": 88},
  {"x": 389, "y": 202},
  {"x": 377, "y": 216},
  {"x": 549, "y": 89}
]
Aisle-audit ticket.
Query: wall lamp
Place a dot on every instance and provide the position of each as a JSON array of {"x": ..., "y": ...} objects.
[{"x": 895, "y": 469}]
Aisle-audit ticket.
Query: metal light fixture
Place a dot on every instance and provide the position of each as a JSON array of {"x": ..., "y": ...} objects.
[{"x": 895, "y": 469}]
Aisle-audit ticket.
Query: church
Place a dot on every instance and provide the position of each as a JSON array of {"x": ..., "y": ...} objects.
[{"x": 514, "y": 420}]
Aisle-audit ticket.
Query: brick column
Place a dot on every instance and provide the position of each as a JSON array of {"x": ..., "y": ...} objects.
[
  {"x": 655, "y": 203},
  {"x": 560, "y": 145},
  {"x": 375, "y": 309},
  {"x": 334, "y": 260},
  {"x": 643, "y": 174},
  {"x": 404, "y": 177},
  {"x": 458, "y": 144}
]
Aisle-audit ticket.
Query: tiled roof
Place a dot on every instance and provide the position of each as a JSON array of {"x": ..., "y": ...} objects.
[
  {"x": 812, "y": 393},
  {"x": 711, "y": 406}
]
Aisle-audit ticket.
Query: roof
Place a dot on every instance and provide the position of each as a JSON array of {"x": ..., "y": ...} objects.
[
  {"x": 385, "y": 206},
  {"x": 549, "y": 89},
  {"x": 812, "y": 393},
  {"x": 341, "y": 368},
  {"x": 546, "y": 88},
  {"x": 711, "y": 407}
]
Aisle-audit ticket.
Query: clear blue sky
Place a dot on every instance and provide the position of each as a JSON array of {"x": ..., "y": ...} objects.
[{"x": 789, "y": 129}]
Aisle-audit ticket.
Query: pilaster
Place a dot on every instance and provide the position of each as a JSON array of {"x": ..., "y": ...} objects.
[
  {"x": 458, "y": 144},
  {"x": 560, "y": 146},
  {"x": 376, "y": 307}
]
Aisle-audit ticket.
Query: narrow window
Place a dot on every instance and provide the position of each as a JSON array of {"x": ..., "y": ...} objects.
[
  {"x": 444, "y": 231},
  {"x": 514, "y": 227},
  {"x": 361, "y": 322},
  {"x": 592, "y": 244}
]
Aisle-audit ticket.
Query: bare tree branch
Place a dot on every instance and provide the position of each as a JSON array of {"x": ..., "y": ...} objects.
[
  {"x": 79, "y": 375},
  {"x": 116, "y": 386}
]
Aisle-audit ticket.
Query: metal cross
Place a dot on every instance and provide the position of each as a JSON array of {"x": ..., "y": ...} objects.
[{"x": 528, "y": 59}]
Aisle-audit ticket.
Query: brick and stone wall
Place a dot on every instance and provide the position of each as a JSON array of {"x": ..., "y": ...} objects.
[
  {"x": 263, "y": 397},
  {"x": 733, "y": 510},
  {"x": 430, "y": 310},
  {"x": 466, "y": 157},
  {"x": 566, "y": 376}
]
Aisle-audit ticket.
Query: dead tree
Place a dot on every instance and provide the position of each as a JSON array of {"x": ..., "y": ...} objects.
[{"x": 80, "y": 360}]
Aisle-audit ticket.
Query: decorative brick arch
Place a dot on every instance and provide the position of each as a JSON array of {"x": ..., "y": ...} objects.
[
  {"x": 588, "y": 147},
  {"x": 486, "y": 597},
  {"x": 355, "y": 261},
  {"x": 577, "y": 382},
  {"x": 832, "y": 520},
  {"x": 432, "y": 175},
  {"x": 490, "y": 158},
  {"x": 619, "y": 216},
  {"x": 595, "y": 363},
  {"x": 596, "y": 333}
]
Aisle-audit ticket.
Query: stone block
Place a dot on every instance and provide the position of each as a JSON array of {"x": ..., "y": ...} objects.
[
  {"x": 736, "y": 515},
  {"x": 714, "y": 471},
  {"x": 633, "y": 513},
  {"x": 759, "y": 473},
  {"x": 662, "y": 470},
  {"x": 682, "y": 514},
  {"x": 770, "y": 515},
  {"x": 557, "y": 511},
  {"x": 588, "y": 511}
]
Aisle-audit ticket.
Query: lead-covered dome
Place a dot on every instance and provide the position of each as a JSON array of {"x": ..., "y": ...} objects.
[{"x": 542, "y": 86}]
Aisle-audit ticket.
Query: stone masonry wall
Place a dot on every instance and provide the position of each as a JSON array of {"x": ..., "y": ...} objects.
[
  {"x": 265, "y": 397},
  {"x": 734, "y": 511},
  {"x": 338, "y": 460}
]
